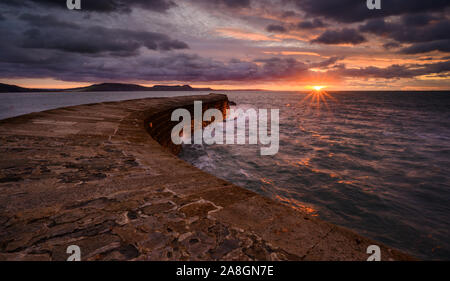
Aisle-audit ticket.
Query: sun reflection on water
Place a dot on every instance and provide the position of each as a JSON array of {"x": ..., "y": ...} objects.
[{"x": 297, "y": 205}]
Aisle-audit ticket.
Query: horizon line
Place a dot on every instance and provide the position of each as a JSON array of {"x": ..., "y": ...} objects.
[{"x": 306, "y": 89}]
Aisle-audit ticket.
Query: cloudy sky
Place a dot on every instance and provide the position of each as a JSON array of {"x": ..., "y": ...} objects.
[{"x": 227, "y": 44}]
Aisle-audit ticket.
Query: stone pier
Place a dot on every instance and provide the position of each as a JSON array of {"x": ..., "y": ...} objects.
[{"x": 105, "y": 177}]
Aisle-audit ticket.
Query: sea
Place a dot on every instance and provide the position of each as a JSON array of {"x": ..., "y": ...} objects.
[{"x": 374, "y": 162}]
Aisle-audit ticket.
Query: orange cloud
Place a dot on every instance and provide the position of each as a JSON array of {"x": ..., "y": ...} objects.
[
  {"x": 244, "y": 35},
  {"x": 294, "y": 53}
]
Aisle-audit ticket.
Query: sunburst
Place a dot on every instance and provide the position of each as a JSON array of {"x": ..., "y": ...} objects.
[{"x": 317, "y": 97}]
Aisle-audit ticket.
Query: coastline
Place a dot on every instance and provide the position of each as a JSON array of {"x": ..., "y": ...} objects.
[{"x": 90, "y": 175}]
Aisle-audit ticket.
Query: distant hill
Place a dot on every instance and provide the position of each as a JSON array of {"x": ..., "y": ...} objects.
[
  {"x": 5, "y": 88},
  {"x": 104, "y": 87},
  {"x": 178, "y": 88},
  {"x": 109, "y": 87}
]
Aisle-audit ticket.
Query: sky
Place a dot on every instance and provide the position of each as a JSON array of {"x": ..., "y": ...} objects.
[{"x": 227, "y": 44}]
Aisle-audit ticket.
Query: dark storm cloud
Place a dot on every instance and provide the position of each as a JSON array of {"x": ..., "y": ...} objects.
[
  {"x": 49, "y": 32},
  {"x": 378, "y": 27},
  {"x": 426, "y": 33},
  {"x": 391, "y": 45},
  {"x": 105, "y": 6},
  {"x": 235, "y": 3},
  {"x": 281, "y": 67},
  {"x": 178, "y": 67},
  {"x": 46, "y": 21},
  {"x": 395, "y": 71},
  {"x": 342, "y": 36},
  {"x": 437, "y": 31},
  {"x": 425, "y": 47},
  {"x": 97, "y": 40},
  {"x": 403, "y": 33},
  {"x": 43, "y": 46},
  {"x": 356, "y": 11},
  {"x": 232, "y": 3},
  {"x": 316, "y": 23},
  {"x": 39, "y": 63},
  {"x": 288, "y": 14},
  {"x": 276, "y": 28},
  {"x": 184, "y": 67},
  {"x": 417, "y": 19},
  {"x": 224, "y": 3},
  {"x": 325, "y": 63}
]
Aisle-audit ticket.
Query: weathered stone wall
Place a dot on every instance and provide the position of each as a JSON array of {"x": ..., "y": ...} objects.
[{"x": 160, "y": 124}]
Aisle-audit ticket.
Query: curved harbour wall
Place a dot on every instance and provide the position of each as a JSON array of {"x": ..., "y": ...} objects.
[
  {"x": 160, "y": 124},
  {"x": 91, "y": 176}
]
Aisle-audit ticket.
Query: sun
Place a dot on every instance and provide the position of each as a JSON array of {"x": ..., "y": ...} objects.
[{"x": 318, "y": 88}]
